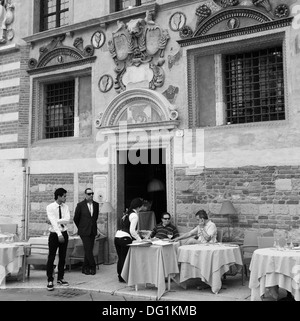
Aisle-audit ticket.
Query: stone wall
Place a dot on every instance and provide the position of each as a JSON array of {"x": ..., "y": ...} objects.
[{"x": 264, "y": 197}]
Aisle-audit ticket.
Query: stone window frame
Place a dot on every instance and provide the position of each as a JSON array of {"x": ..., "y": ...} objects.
[
  {"x": 38, "y": 102},
  {"x": 219, "y": 49}
]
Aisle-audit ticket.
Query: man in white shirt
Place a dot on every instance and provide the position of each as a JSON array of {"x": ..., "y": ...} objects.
[
  {"x": 204, "y": 232},
  {"x": 59, "y": 215}
]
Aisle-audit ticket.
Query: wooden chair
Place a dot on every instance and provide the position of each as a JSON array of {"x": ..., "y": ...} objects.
[
  {"x": 250, "y": 244},
  {"x": 36, "y": 254},
  {"x": 265, "y": 241},
  {"x": 219, "y": 235}
]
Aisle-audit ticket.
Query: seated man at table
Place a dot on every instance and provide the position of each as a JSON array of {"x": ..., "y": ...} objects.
[
  {"x": 165, "y": 228},
  {"x": 204, "y": 232}
]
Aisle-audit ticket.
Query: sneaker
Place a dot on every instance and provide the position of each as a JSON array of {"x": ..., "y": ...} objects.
[
  {"x": 62, "y": 282},
  {"x": 50, "y": 286}
]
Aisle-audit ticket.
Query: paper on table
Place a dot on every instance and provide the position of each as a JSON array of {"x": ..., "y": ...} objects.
[
  {"x": 140, "y": 244},
  {"x": 161, "y": 242}
]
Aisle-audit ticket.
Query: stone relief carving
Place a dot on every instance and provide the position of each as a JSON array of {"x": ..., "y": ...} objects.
[
  {"x": 7, "y": 17},
  {"x": 232, "y": 15},
  {"x": 55, "y": 53},
  {"x": 171, "y": 93},
  {"x": 137, "y": 42}
]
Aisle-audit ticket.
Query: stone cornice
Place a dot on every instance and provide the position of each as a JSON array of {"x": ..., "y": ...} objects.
[
  {"x": 237, "y": 32},
  {"x": 92, "y": 23}
]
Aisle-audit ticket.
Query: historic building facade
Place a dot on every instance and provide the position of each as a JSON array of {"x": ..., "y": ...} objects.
[{"x": 184, "y": 103}]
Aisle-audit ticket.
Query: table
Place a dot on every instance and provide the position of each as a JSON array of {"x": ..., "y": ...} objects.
[
  {"x": 271, "y": 268},
  {"x": 151, "y": 264},
  {"x": 7, "y": 237},
  {"x": 147, "y": 220},
  {"x": 12, "y": 258},
  {"x": 208, "y": 261}
]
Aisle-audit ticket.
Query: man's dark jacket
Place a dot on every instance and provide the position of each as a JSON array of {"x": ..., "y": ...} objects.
[{"x": 86, "y": 224}]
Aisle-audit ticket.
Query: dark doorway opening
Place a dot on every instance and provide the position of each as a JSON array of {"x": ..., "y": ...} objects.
[{"x": 147, "y": 179}]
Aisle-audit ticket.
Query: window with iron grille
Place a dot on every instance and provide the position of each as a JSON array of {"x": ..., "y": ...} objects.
[
  {"x": 59, "y": 113},
  {"x": 254, "y": 86},
  {"x": 54, "y": 14}
]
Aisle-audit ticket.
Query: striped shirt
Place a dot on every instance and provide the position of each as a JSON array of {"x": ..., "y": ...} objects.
[{"x": 161, "y": 232}]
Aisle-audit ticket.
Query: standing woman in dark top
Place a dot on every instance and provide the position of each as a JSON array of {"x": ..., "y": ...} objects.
[{"x": 127, "y": 233}]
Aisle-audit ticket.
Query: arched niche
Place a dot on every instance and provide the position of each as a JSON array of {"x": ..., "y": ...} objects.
[{"x": 138, "y": 107}]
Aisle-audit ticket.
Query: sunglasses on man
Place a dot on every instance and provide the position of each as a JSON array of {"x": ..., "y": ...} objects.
[{"x": 89, "y": 194}]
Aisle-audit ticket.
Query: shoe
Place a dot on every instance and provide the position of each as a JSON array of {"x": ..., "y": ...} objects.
[
  {"x": 121, "y": 280},
  {"x": 50, "y": 286},
  {"x": 93, "y": 271},
  {"x": 62, "y": 282},
  {"x": 86, "y": 271}
]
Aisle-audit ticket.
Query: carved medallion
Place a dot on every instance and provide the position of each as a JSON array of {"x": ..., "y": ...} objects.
[
  {"x": 98, "y": 39},
  {"x": 233, "y": 23},
  {"x": 105, "y": 83},
  {"x": 177, "y": 21}
]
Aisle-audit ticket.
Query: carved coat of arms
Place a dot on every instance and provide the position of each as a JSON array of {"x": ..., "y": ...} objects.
[{"x": 136, "y": 42}]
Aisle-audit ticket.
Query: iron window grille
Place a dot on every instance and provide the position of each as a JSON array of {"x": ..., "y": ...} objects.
[
  {"x": 59, "y": 114},
  {"x": 254, "y": 86},
  {"x": 54, "y": 14}
]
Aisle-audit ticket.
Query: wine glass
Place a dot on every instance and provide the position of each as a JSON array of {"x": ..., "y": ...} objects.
[{"x": 170, "y": 235}]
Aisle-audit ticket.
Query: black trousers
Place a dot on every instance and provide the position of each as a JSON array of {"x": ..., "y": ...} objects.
[
  {"x": 88, "y": 245},
  {"x": 122, "y": 250},
  {"x": 53, "y": 244}
]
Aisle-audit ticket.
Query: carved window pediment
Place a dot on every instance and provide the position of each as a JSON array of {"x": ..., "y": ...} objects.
[{"x": 55, "y": 55}]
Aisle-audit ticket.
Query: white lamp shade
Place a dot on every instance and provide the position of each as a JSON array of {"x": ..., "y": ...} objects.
[
  {"x": 155, "y": 185},
  {"x": 227, "y": 208},
  {"x": 106, "y": 208}
]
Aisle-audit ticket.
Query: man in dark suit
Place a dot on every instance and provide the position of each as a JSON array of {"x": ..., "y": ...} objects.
[{"x": 85, "y": 218}]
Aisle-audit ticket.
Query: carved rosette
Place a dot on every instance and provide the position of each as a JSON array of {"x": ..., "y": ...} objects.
[
  {"x": 186, "y": 32},
  {"x": 138, "y": 42},
  {"x": 282, "y": 11}
]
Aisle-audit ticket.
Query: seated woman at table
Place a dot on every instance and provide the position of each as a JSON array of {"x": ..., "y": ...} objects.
[
  {"x": 127, "y": 233},
  {"x": 165, "y": 228},
  {"x": 204, "y": 232}
]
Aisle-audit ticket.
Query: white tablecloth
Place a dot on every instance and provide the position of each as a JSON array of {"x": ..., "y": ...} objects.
[
  {"x": 271, "y": 268},
  {"x": 208, "y": 262},
  {"x": 7, "y": 237},
  {"x": 150, "y": 265},
  {"x": 11, "y": 259}
]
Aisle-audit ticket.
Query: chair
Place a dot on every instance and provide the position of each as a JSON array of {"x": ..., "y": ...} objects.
[
  {"x": 250, "y": 244},
  {"x": 9, "y": 228},
  {"x": 265, "y": 241},
  {"x": 219, "y": 235},
  {"x": 36, "y": 254},
  {"x": 78, "y": 253}
]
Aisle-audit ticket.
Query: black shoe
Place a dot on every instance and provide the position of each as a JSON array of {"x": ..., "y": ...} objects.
[
  {"x": 92, "y": 271},
  {"x": 62, "y": 282},
  {"x": 86, "y": 271},
  {"x": 50, "y": 286},
  {"x": 121, "y": 280}
]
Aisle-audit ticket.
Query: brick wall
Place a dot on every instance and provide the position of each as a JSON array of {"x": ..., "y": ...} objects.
[
  {"x": 42, "y": 189},
  {"x": 264, "y": 197}
]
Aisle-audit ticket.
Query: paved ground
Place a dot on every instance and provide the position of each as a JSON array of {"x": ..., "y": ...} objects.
[{"x": 104, "y": 286}]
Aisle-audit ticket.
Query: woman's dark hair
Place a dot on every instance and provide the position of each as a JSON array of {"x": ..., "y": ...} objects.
[
  {"x": 59, "y": 192},
  {"x": 135, "y": 203},
  {"x": 202, "y": 214}
]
